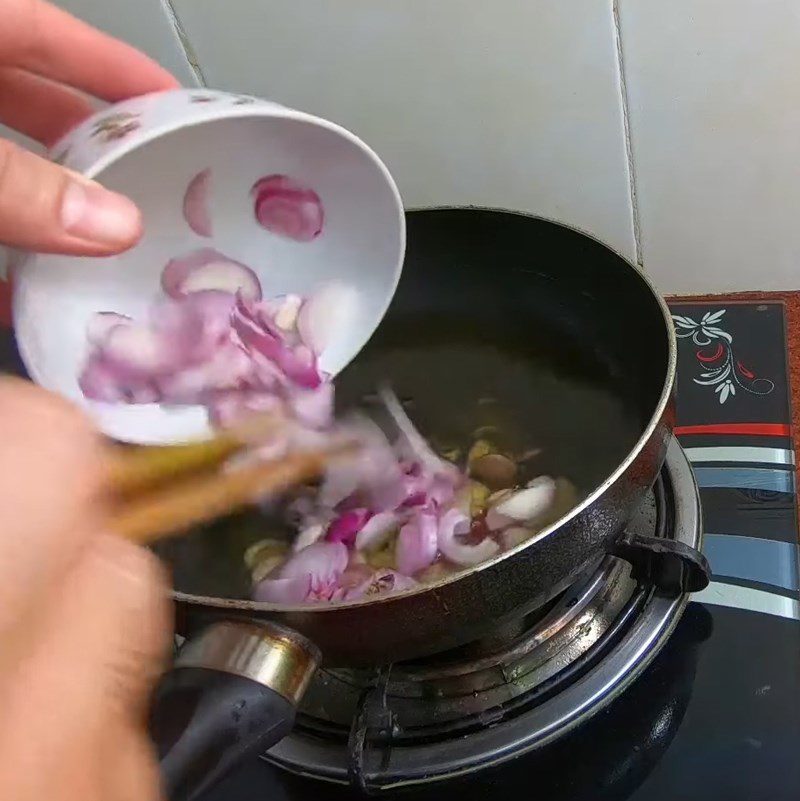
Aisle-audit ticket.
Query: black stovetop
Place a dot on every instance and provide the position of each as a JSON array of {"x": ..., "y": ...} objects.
[{"x": 717, "y": 714}]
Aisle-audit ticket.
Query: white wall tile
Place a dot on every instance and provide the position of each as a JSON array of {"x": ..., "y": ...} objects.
[
  {"x": 511, "y": 103},
  {"x": 146, "y": 24},
  {"x": 714, "y": 97}
]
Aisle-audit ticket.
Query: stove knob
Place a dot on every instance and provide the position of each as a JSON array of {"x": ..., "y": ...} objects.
[{"x": 232, "y": 694}]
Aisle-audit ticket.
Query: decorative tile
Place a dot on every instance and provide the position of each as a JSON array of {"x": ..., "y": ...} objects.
[
  {"x": 732, "y": 368},
  {"x": 514, "y": 103},
  {"x": 734, "y": 421}
]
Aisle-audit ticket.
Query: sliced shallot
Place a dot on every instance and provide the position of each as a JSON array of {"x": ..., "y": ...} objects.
[
  {"x": 453, "y": 525},
  {"x": 285, "y": 207},
  {"x": 312, "y": 407},
  {"x": 416, "y": 442},
  {"x": 205, "y": 269},
  {"x": 195, "y": 203},
  {"x": 99, "y": 381},
  {"x": 138, "y": 351},
  {"x": 377, "y": 531},
  {"x": 283, "y": 591},
  {"x": 345, "y": 527},
  {"x": 497, "y": 522},
  {"x": 308, "y": 536},
  {"x": 227, "y": 370},
  {"x": 258, "y": 334},
  {"x": 373, "y": 470},
  {"x": 417, "y": 544},
  {"x": 227, "y": 408},
  {"x": 322, "y": 561},
  {"x": 312, "y": 574},
  {"x": 287, "y": 312},
  {"x": 100, "y": 323},
  {"x": 525, "y": 505},
  {"x": 326, "y": 313},
  {"x": 514, "y": 535}
]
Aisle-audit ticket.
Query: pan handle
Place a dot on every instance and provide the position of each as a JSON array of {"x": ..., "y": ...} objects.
[
  {"x": 232, "y": 694},
  {"x": 671, "y": 566}
]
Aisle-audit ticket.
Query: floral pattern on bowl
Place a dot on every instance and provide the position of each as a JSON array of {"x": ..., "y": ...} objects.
[
  {"x": 108, "y": 133},
  {"x": 116, "y": 126}
]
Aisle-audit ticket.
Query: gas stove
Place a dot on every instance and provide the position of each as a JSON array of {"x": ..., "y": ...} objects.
[
  {"x": 614, "y": 691},
  {"x": 479, "y": 706}
]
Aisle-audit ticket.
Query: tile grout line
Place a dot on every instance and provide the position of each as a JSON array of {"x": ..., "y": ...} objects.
[
  {"x": 183, "y": 40},
  {"x": 626, "y": 127}
]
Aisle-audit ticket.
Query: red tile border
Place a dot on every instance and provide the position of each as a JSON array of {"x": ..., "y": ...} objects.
[{"x": 754, "y": 429}]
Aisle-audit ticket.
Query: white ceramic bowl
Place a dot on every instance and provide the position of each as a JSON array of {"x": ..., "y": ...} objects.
[{"x": 150, "y": 148}]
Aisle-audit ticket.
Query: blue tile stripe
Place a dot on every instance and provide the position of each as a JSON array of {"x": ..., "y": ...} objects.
[
  {"x": 762, "y": 478},
  {"x": 748, "y": 558}
]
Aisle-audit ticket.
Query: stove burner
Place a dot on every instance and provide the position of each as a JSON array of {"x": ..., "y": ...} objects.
[{"x": 495, "y": 699}]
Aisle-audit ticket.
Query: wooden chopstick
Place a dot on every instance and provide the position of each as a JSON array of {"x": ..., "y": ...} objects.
[
  {"x": 133, "y": 470},
  {"x": 202, "y": 498},
  {"x": 157, "y": 491}
]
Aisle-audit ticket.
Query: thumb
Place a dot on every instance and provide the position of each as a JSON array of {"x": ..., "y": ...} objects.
[{"x": 47, "y": 208}]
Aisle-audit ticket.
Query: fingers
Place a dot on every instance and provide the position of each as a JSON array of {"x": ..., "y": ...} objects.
[
  {"x": 45, "y": 208},
  {"x": 50, "y": 468},
  {"x": 84, "y": 619},
  {"x": 38, "y": 107},
  {"x": 41, "y": 38},
  {"x": 74, "y": 709}
]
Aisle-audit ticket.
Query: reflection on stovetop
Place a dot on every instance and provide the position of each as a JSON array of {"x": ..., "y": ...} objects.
[
  {"x": 606, "y": 757},
  {"x": 716, "y": 715},
  {"x": 473, "y": 685}
]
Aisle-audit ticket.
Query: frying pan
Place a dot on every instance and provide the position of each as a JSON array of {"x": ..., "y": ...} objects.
[{"x": 501, "y": 320}]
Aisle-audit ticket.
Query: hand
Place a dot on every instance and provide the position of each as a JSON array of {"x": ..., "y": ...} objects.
[
  {"x": 49, "y": 62},
  {"x": 84, "y": 617}
]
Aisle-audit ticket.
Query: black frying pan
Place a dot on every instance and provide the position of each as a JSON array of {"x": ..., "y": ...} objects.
[{"x": 500, "y": 319}]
